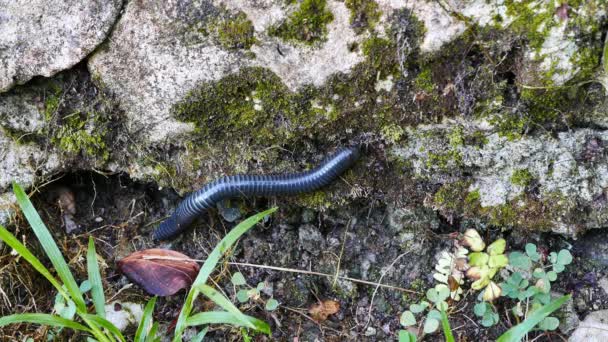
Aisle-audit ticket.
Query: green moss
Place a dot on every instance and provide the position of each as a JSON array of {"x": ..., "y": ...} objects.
[
  {"x": 78, "y": 133},
  {"x": 522, "y": 177},
  {"x": 314, "y": 200},
  {"x": 456, "y": 137},
  {"x": 392, "y": 133},
  {"x": 252, "y": 103},
  {"x": 364, "y": 14},
  {"x": 308, "y": 24},
  {"x": 234, "y": 32},
  {"x": 444, "y": 161},
  {"x": 424, "y": 80},
  {"x": 52, "y": 100},
  {"x": 380, "y": 54},
  {"x": 454, "y": 199}
]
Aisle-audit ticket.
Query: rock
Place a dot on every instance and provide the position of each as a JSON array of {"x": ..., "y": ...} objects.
[
  {"x": 568, "y": 318},
  {"x": 603, "y": 284},
  {"x": 123, "y": 314},
  {"x": 228, "y": 212},
  {"x": 20, "y": 163},
  {"x": 310, "y": 239},
  {"x": 552, "y": 57},
  {"x": 159, "y": 51},
  {"x": 593, "y": 328},
  {"x": 39, "y": 38},
  {"x": 564, "y": 170},
  {"x": 408, "y": 222}
]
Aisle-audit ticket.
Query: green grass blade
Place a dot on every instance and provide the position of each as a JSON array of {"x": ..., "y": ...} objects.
[
  {"x": 25, "y": 253},
  {"x": 201, "y": 335},
  {"x": 447, "y": 331},
  {"x": 224, "y": 317},
  {"x": 104, "y": 323},
  {"x": 518, "y": 332},
  {"x": 44, "y": 319},
  {"x": 142, "y": 329},
  {"x": 209, "y": 266},
  {"x": 49, "y": 246},
  {"x": 237, "y": 315},
  {"x": 99, "y": 299},
  {"x": 152, "y": 334},
  {"x": 225, "y": 304}
]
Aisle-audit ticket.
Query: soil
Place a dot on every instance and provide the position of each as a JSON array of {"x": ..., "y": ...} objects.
[{"x": 121, "y": 214}]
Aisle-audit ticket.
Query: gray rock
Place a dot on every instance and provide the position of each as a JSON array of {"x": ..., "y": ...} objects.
[
  {"x": 568, "y": 318},
  {"x": 229, "y": 213},
  {"x": 564, "y": 168},
  {"x": 158, "y": 52},
  {"x": 593, "y": 328},
  {"x": 310, "y": 239},
  {"x": 42, "y": 38}
]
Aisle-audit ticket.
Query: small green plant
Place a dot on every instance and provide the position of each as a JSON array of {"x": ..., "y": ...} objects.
[
  {"x": 487, "y": 313},
  {"x": 72, "y": 311},
  {"x": 232, "y": 315},
  {"x": 247, "y": 293},
  {"x": 433, "y": 305},
  {"x": 531, "y": 280}
]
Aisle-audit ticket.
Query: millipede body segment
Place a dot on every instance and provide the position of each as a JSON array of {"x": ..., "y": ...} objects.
[{"x": 255, "y": 185}]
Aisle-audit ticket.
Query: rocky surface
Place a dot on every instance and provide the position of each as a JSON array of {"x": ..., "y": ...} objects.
[
  {"x": 469, "y": 113},
  {"x": 39, "y": 39},
  {"x": 593, "y": 328}
]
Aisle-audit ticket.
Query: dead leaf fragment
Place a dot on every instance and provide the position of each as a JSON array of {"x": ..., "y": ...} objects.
[
  {"x": 159, "y": 272},
  {"x": 320, "y": 311}
]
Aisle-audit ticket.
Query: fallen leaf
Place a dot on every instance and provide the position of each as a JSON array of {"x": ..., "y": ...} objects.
[
  {"x": 320, "y": 311},
  {"x": 159, "y": 272}
]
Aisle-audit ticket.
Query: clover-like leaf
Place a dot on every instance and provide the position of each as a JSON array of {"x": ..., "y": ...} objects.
[
  {"x": 498, "y": 261},
  {"x": 492, "y": 292},
  {"x": 497, "y": 247},
  {"x": 443, "y": 292},
  {"x": 481, "y": 283},
  {"x": 238, "y": 279},
  {"x": 549, "y": 323},
  {"x": 480, "y": 308},
  {"x": 564, "y": 257},
  {"x": 553, "y": 257},
  {"x": 532, "y": 252},
  {"x": 418, "y": 308},
  {"x": 271, "y": 304},
  {"x": 552, "y": 275},
  {"x": 520, "y": 260},
  {"x": 443, "y": 306},
  {"x": 489, "y": 319},
  {"x": 478, "y": 259},
  {"x": 242, "y": 296},
  {"x": 407, "y": 319},
  {"x": 430, "y": 325},
  {"x": 558, "y": 268},
  {"x": 472, "y": 239}
]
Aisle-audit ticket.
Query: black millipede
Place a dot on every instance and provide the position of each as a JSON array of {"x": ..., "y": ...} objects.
[{"x": 255, "y": 185}]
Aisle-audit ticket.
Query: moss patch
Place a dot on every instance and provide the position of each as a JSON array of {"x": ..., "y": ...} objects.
[
  {"x": 233, "y": 32},
  {"x": 307, "y": 24},
  {"x": 522, "y": 177},
  {"x": 364, "y": 14},
  {"x": 81, "y": 133}
]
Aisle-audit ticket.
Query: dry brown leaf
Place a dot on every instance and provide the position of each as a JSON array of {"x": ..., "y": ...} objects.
[
  {"x": 160, "y": 272},
  {"x": 320, "y": 311}
]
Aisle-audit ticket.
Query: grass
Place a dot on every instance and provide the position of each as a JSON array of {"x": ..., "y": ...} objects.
[
  {"x": 91, "y": 320},
  {"x": 199, "y": 286},
  {"x": 95, "y": 324}
]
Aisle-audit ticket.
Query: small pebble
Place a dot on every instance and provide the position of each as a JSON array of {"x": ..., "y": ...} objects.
[{"x": 98, "y": 219}]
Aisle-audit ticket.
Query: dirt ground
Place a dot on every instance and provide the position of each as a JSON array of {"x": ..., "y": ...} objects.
[{"x": 121, "y": 214}]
